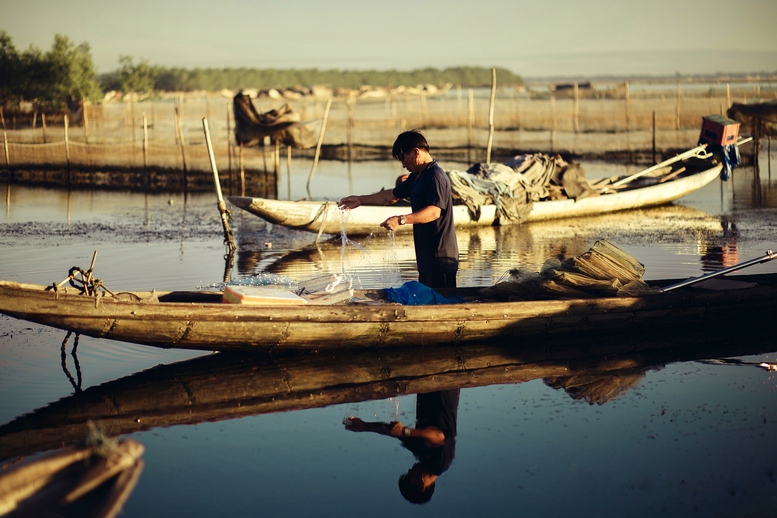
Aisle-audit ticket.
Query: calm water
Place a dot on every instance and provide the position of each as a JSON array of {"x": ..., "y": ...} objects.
[{"x": 684, "y": 437}]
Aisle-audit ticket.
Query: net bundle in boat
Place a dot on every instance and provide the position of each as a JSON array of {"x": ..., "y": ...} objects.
[
  {"x": 603, "y": 271},
  {"x": 605, "y": 261}
]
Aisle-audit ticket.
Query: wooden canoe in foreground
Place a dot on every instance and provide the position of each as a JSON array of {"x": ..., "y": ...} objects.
[
  {"x": 326, "y": 217},
  {"x": 199, "y": 320},
  {"x": 219, "y": 387}
]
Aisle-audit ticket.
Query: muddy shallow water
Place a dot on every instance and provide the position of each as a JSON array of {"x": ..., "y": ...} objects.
[{"x": 683, "y": 437}]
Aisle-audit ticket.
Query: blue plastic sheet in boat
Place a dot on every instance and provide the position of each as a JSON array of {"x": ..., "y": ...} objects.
[{"x": 413, "y": 293}]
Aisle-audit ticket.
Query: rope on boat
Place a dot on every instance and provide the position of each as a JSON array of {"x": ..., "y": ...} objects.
[{"x": 86, "y": 284}]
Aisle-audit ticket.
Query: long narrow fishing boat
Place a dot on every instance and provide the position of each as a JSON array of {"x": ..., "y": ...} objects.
[
  {"x": 202, "y": 321},
  {"x": 660, "y": 184}
]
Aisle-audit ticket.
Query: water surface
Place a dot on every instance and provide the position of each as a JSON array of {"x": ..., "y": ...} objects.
[{"x": 682, "y": 437}]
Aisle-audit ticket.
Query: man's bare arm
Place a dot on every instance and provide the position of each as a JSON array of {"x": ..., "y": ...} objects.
[{"x": 384, "y": 197}]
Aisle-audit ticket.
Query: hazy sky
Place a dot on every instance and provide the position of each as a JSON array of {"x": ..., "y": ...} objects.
[{"x": 533, "y": 39}]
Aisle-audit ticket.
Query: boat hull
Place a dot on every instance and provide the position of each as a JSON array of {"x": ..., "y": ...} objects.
[
  {"x": 326, "y": 217},
  {"x": 195, "y": 320}
]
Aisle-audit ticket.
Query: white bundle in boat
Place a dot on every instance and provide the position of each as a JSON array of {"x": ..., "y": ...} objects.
[{"x": 326, "y": 289}]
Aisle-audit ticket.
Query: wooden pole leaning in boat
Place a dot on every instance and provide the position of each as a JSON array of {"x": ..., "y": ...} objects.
[
  {"x": 758, "y": 260},
  {"x": 699, "y": 151},
  {"x": 5, "y": 150},
  {"x": 682, "y": 156},
  {"x": 228, "y": 239},
  {"x": 318, "y": 143},
  {"x": 491, "y": 116}
]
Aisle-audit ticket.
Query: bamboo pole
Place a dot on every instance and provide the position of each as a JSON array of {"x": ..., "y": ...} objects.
[
  {"x": 677, "y": 108},
  {"x": 145, "y": 141},
  {"x": 132, "y": 120},
  {"x": 243, "y": 170},
  {"x": 265, "y": 142},
  {"x": 491, "y": 116},
  {"x": 470, "y": 121},
  {"x": 627, "y": 94},
  {"x": 394, "y": 113},
  {"x": 769, "y": 256},
  {"x": 288, "y": 172},
  {"x": 86, "y": 125},
  {"x": 228, "y": 239},
  {"x": 229, "y": 149},
  {"x": 350, "y": 102},
  {"x": 67, "y": 144},
  {"x": 276, "y": 159},
  {"x": 757, "y": 145},
  {"x": 424, "y": 109},
  {"x": 552, "y": 139},
  {"x": 553, "y": 124},
  {"x": 86, "y": 136},
  {"x": 576, "y": 109},
  {"x": 697, "y": 151},
  {"x": 318, "y": 144},
  {"x": 5, "y": 148},
  {"x": 179, "y": 134},
  {"x": 728, "y": 95},
  {"x": 654, "y": 137}
]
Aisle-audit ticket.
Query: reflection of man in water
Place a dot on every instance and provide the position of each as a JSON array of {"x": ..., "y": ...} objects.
[
  {"x": 721, "y": 252},
  {"x": 432, "y": 441}
]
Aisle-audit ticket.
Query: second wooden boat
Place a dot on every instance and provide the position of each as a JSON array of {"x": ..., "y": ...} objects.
[{"x": 654, "y": 186}]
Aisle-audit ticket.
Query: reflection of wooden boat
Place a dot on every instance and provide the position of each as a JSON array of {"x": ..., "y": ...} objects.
[
  {"x": 482, "y": 247},
  {"x": 198, "y": 320},
  {"x": 640, "y": 190},
  {"x": 227, "y": 386}
]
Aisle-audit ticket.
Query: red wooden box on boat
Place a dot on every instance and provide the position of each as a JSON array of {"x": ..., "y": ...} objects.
[{"x": 720, "y": 130}]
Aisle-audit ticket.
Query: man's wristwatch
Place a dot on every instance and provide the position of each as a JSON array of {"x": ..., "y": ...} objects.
[{"x": 402, "y": 220}]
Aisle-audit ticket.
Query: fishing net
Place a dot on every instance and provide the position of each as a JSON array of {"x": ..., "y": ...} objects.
[
  {"x": 515, "y": 185},
  {"x": 603, "y": 271}
]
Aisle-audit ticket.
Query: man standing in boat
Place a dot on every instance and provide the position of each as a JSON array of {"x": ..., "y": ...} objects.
[{"x": 429, "y": 190}]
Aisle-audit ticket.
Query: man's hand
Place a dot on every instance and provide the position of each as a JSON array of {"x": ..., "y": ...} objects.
[
  {"x": 396, "y": 429},
  {"x": 355, "y": 424},
  {"x": 350, "y": 202},
  {"x": 391, "y": 223}
]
